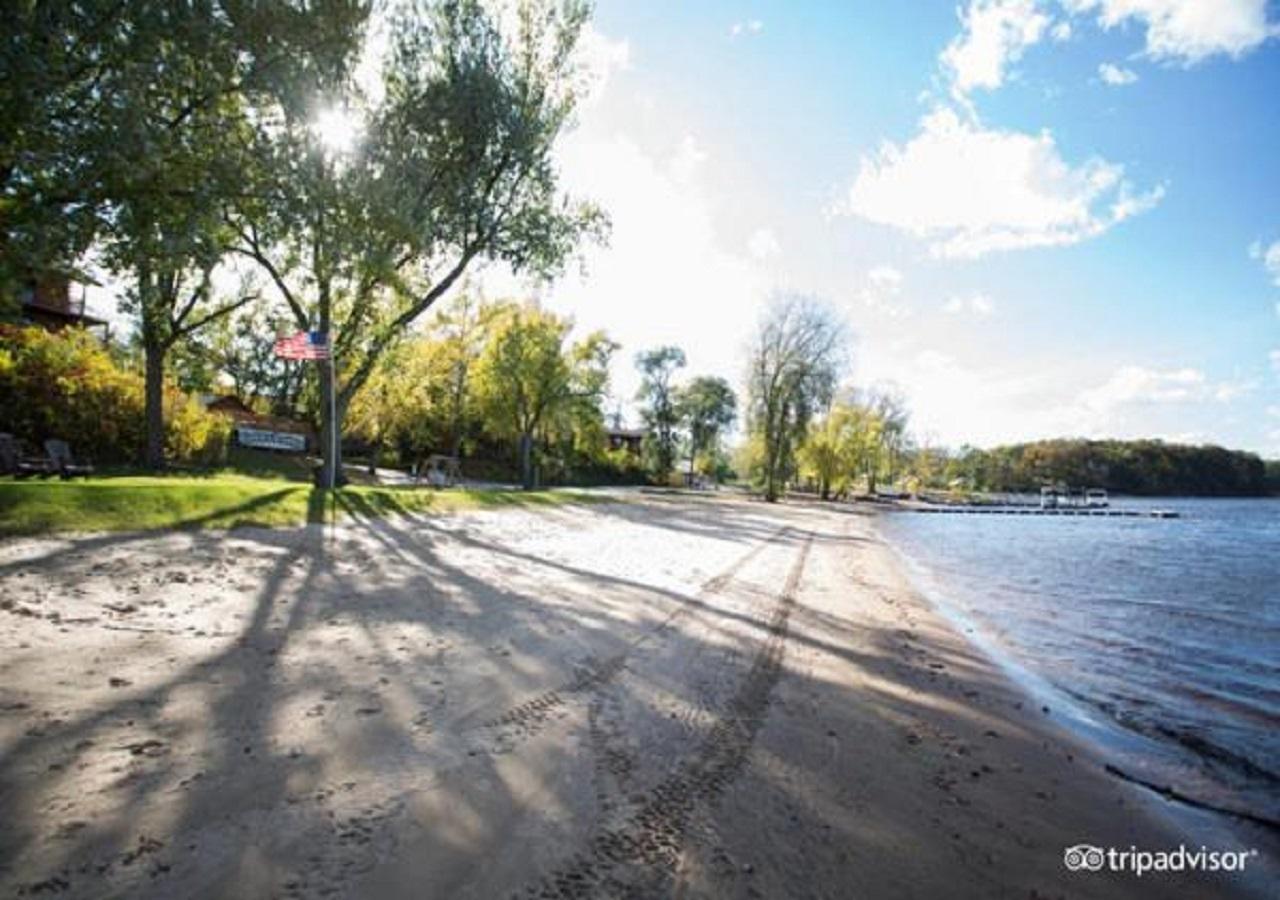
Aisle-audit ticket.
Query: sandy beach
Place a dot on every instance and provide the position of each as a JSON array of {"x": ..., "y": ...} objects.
[{"x": 666, "y": 697}]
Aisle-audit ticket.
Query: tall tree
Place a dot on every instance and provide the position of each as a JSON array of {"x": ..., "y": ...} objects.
[
  {"x": 708, "y": 406},
  {"x": 889, "y": 408},
  {"x": 527, "y": 374},
  {"x": 140, "y": 141},
  {"x": 660, "y": 414},
  {"x": 461, "y": 327},
  {"x": 825, "y": 451},
  {"x": 451, "y": 168},
  {"x": 795, "y": 360},
  {"x": 842, "y": 447},
  {"x": 54, "y": 59}
]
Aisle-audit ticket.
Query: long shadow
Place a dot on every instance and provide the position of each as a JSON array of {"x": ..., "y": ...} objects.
[
  {"x": 236, "y": 676},
  {"x": 412, "y": 574},
  {"x": 80, "y": 544}
]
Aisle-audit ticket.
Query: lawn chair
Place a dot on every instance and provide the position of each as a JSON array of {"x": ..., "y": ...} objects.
[
  {"x": 60, "y": 455},
  {"x": 12, "y": 462}
]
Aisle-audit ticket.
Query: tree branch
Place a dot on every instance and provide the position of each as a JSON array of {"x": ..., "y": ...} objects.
[{"x": 216, "y": 314}]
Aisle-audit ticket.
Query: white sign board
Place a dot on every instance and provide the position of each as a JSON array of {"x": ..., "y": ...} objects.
[{"x": 271, "y": 440}]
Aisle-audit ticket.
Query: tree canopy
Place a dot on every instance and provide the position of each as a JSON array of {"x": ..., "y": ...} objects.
[
  {"x": 529, "y": 379},
  {"x": 708, "y": 407},
  {"x": 794, "y": 364},
  {"x": 174, "y": 138},
  {"x": 659, "y": 411}
]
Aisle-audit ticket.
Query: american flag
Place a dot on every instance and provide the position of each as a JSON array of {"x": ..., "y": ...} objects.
[{"x": 303, "y": 345}]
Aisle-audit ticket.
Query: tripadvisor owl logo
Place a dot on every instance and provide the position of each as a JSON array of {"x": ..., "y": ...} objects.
[
  {"x": 1084, "y": 857},
  {"x": 1088, "y": 858}
]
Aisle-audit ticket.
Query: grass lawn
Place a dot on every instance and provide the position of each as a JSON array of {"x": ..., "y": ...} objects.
[{"x": 227, "y": 500}]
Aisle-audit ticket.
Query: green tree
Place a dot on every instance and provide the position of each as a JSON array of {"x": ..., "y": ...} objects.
[
  {"x": 53, "y": 57},
  {"x": 888, "y": 408},
  {"x": 707, "y": 406},
  {"x": 419, "y": 398},
  {"x": 238, "y": 350},
  {"x": 453, "y": 167},
  {"x": 842, "y": 447},
  {"x": 140, "y": 141},
  {"x": 461, "y": 326},
  {"x": 795, "y": 360},
  {"x": 405, "y": 403},
  {"x": 660, "y": 413},
  {"x": 527, "y": 376}
]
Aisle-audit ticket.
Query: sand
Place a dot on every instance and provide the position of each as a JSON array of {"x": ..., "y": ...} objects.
[{"x": 668, "y": 697}]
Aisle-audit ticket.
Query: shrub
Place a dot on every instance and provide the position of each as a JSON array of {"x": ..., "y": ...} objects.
[
  {"x": 193, "y": 434},
  {"x": 67, "y": 385}
]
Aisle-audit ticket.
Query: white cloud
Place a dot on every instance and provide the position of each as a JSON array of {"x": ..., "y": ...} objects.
[
  {"x": 1115, "y": 75},
  {"x": 1274, "y": 356},
  {"x": 688, "y": 157},
  {"x": 1226, "y": 391},
  {"x": 975, "y": 304},
  {"x": 1061, "y": 31},
  {"x": 764, "y": 244},
  {"x": 886, "y": 277},
  {"x": 1188, "y": 31},
  {"x": 970, "y": 190},
  {"x": 966, "y": 395},
  {"x": 1270, "y": 257},
  {"x": 881, "y": 293},
  {"x": 994, "y": 34},
  {"x": 599, "y": 57},
  {"x": 665, "y": 276},
  {"x": 960, "y": 402},
  {"x": 1137, "y": 385},
  {"x": 751, "y": 26}
]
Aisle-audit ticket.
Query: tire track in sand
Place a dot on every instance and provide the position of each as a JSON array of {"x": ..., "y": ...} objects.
[
  {"x": 648, "y": 843},
  {"x": 525, "y": 720}
]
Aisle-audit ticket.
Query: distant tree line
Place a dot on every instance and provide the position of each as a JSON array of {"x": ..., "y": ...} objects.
[
  {"x": 1149, "y": 467},
  {"x": 807, "y": 431}
]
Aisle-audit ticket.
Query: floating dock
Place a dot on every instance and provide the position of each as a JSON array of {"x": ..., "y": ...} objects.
[{"x": 1038, "y": 511}]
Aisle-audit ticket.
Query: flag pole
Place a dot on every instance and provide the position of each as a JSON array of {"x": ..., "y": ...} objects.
[{"x": 333, "y": 418}]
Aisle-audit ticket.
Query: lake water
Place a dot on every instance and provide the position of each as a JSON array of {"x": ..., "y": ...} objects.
[{"x": 1162, "y": 636}]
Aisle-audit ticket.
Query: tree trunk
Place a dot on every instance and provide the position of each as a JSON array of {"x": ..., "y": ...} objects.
[
  {"x": 331, "y": 454},
  {"x": 526, "y": 461},
  {"x": 771, "y": 474},
  {"x": 153, "y": 453}
]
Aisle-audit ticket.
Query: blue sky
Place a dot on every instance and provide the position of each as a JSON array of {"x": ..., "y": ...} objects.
[{"x": 1037, "y": 218}]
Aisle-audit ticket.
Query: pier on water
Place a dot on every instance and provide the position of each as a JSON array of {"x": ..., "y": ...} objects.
[{"x": 1086, "y": 512}]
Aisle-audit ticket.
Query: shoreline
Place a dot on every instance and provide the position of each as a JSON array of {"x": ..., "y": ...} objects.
[
  {"x": 705, "y": 697},
  {"x": 1122, "y": 753}
]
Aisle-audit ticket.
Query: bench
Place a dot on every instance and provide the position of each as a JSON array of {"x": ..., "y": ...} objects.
[
  {"x": 13, "y": 462},
  {"x": 63, "y": 463}
]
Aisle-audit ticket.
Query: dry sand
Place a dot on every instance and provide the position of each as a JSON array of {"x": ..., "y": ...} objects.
[{"x": 661, "y": 698}]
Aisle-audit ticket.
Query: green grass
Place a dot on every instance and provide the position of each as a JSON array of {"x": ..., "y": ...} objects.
[
  {"x": 228, "y": 500},
  {"x": 260, "y": 464}
]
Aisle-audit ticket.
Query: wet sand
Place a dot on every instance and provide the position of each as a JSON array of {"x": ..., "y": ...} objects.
[{"x": 669, "y": 697}]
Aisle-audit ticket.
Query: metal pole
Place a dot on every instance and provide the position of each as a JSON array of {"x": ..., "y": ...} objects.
[{"x": 333, "y": 418}]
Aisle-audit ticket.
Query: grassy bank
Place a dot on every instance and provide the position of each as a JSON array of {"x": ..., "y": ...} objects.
[{"x": 227, "y": 501}]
